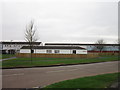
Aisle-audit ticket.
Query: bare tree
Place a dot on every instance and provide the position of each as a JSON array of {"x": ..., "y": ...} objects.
[
  {"x": 99, "y": 45},
  {"x": 30, "y": 36},
  {"x": 118, "y": 42}
]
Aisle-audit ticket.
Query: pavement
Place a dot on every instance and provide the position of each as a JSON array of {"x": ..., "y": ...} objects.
[
  {"x": 7, "y": 58},
  {"x": 42, "y": 76}
]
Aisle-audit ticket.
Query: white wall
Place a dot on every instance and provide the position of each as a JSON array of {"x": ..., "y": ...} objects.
[
  {"x": 24, "y": 50},
  {"x": 53, "y": 51},
  {"x": 62, "y": 51},
  {"x": 81, "y": 51},
  {"x": 40, "y": 51},
  {"x": 65, "y": 51}
]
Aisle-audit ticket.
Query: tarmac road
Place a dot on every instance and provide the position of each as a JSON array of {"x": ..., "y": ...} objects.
[{"x": 42, "y": 76}]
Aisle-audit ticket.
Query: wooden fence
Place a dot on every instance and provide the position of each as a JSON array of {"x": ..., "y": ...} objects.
[{"x": 58, "y": 55}]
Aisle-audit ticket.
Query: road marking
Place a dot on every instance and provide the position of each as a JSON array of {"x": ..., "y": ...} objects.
[
  {"x": 14, "y": 74},
  {"x": 61, "y": 70}
]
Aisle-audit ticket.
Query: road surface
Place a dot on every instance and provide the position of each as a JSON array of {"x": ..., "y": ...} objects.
[{"x": 42, "y": 76}]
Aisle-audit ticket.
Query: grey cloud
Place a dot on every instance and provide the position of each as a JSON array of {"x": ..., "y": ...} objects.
[{"x": 62, "y": 21}]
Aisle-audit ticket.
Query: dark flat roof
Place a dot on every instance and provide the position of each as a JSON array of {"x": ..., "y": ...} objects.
[
  {"x": 36, "y": 43},
  {"x": 81, "y": 44},
  {"x": 53, "y": 47}
]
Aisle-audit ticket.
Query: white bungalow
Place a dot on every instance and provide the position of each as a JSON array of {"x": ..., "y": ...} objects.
[{"x": 54, "y": 49}]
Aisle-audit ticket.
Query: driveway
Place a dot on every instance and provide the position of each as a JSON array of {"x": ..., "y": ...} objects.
[{"x": 39, "y": 77}]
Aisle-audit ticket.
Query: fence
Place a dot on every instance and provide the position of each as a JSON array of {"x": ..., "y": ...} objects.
[{"x": 57, "y": 55}]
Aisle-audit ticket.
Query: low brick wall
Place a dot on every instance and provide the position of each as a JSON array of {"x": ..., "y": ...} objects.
[{"x": 58, "y": 55}]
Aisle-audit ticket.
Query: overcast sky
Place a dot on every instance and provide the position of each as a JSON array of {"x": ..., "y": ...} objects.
[{"x": 61, "y": 20}]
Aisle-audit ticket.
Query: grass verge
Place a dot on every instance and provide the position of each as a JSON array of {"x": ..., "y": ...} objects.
[
  {"x": 3, "y": 56},
  {"x": 98, "y": 81},
  {"x": 26, "y": 62}
]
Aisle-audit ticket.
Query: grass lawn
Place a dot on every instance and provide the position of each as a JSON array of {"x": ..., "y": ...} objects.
[
  {"x": 98, "y": 81},
  {"x": 26, "y": 62},
  {"x": 3, "y": 56}
]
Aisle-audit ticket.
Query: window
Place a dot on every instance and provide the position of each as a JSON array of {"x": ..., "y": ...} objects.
[
  {"x": 56, "y": 51},
  {"x": 49, "y": 51}
]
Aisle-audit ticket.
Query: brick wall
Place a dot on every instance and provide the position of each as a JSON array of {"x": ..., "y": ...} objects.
[{"x": 58, "y": 55}]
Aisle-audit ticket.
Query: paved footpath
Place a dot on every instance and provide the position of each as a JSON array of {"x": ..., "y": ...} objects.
[
  {"x": 7, "y": 58},
  {"x": 39, "y": 77}
]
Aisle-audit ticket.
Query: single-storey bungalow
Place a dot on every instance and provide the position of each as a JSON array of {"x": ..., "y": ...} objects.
[{"x": 54, "y": 49}]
